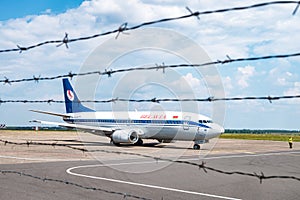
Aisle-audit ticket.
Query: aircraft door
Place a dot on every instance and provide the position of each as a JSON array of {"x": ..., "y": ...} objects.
[{"x": 186, "y": 123}]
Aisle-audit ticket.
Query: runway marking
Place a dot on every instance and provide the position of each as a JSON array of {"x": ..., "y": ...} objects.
[
  {"x": 209, "y": 158},
  {"x": 69, "y": 171}
]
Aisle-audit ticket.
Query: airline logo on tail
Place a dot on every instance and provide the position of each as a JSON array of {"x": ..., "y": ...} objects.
[{"x": 70, "y": 95}]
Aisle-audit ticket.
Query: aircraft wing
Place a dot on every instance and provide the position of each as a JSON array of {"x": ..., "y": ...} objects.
[{"x": 92, "y": 129}]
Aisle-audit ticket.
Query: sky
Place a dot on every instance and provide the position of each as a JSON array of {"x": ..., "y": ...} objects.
[
  {"x": 22, "y": 8},
  {"x": 256, "y": 32}
]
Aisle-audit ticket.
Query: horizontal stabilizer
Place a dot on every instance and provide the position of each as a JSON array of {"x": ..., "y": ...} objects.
[
  {"x": 91, "y": 129},
  {"x": 51, "y": 113}
]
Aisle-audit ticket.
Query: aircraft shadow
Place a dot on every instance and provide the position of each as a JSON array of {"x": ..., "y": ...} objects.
[{"x": 79, "y": 143}]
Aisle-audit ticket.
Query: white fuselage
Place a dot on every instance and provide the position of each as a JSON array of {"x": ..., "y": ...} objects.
[{"x": 167, "y": 125}]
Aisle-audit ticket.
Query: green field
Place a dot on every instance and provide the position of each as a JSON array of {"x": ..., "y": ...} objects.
[{"x": 273, "y": 137}]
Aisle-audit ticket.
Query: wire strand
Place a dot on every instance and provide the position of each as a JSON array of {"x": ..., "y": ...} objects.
[
  {"x": 159, "y": 100},
  {"x": 261, "y": 176},
  {"x": 156, "y": 67},
  {"x": 124, "y": 26},
  {"x": 44, "y": 179}
]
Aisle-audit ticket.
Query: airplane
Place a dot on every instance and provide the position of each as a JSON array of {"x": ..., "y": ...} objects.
[{"x": 133, "y": 126}]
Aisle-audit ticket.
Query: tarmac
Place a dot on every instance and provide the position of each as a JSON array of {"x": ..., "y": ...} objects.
[{"x": 52, "y": 165}]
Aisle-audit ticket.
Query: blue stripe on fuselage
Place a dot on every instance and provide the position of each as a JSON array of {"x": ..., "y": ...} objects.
[{"x": 139, "y": 121}]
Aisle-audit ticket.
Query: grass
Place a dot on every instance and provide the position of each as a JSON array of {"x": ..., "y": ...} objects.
[{"x": 273, "y": 137}]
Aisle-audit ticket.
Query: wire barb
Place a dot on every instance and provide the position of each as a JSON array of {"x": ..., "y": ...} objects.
[
  {"x": 210, "y": 99},
  {"x": 196, "y": 14},
  {"x": 270, "y": 99},
  {"x": 202, "y": 166},
  {"x": 22, "y": 48},
  {"x": 6, "y": 81},
  {"x": 296, "y": 9},
  {"x": 121, "y": 29},
  {"x": 71, "y": 75},
  {"x": 114, "y": 100},
  {"x": 64, "y": 41},
  {"x": 50, "y": 101},
  {"x": 36, "y": 79},
  {"x": 154, "y": 100},
  {"x": 108, "y": 72},
  {"x": 162, "y": 66},
  {"x": 260, "y": 176},
  {"x": 228, "y": 59}
]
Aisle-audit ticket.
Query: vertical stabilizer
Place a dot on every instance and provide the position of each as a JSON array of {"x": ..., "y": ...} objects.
[{"x": 72, "y": 102}]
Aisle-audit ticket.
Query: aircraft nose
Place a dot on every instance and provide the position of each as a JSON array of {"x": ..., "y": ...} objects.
[
  {"x": 215, "y": 131},
  {"x": 221, "y": 129}
]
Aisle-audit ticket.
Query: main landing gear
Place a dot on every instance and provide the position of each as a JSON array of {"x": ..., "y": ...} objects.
[
  {"x": 196, "y": 146},
  {"x": 114, "y": 143},
  {"x": 139, "y": 142}
]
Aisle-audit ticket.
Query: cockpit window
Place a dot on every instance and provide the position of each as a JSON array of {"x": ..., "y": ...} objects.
[{"x": 205, "y": 121}]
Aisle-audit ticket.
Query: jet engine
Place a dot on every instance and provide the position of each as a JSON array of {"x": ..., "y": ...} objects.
[{"x": 125, "y": 136}]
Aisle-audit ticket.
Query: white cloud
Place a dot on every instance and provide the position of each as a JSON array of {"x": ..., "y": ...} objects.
[
  {"x": 227, "y": 83},
  {"x": 192, "y": 81},
  {"x": 295, "y": 90},
  {"x": 281, "y": 81},
  {"x": 282, "y": 74},
  {"x": 189, "y": 86},
  {"x": 285, "y": 79},
  {"x": 244, "y": 74}
]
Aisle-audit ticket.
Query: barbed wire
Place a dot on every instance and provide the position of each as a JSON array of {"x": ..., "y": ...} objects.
[
  {"x": 156, "y": 67},
  {"x": 124, "y": 27},
  {"x": 159, "y": 100},
  {"x": 44, "y": 179},
  {"x": 261, "y": 176}
]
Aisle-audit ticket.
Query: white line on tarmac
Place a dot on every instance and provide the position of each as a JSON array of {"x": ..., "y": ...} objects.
[
  {"x": 69, "y": 171},
  {"x": 161, "y": 161}
]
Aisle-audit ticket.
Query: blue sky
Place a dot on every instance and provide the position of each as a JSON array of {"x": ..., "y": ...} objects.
[
  {"x": 11, "y": 9},
  {"x": 257, "y": 32}
]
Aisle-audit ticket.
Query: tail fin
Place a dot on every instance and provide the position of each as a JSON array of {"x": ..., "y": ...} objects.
[{"x": 72, "y": 102}]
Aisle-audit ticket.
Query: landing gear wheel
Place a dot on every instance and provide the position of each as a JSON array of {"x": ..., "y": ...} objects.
[
  {"x": 139, "y": 142},
  {"x": 196, "y": 146},
  {"x": 114, "y": 143}
]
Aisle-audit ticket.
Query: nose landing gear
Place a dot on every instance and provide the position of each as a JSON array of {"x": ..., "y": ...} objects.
[{"x": 196, "y": 146}]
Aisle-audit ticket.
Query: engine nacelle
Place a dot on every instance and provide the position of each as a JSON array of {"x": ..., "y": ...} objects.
[{"x": 125, "y": 136}]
